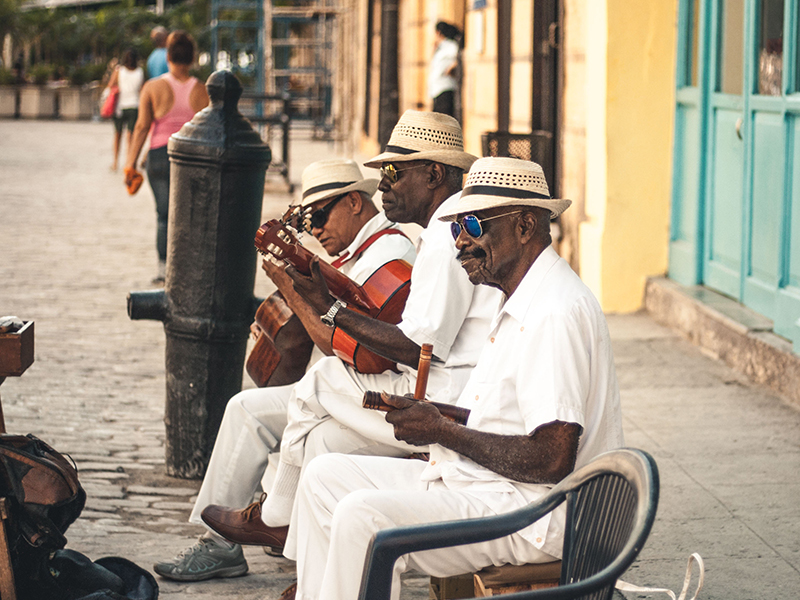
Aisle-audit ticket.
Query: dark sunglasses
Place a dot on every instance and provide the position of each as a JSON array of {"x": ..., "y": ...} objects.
[
  {"x": 472, "y": 224},
  {"x": 318, "y": 218},
  {"x": 392, "y": 173}
]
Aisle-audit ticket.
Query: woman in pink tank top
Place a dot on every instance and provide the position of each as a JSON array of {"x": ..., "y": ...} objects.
[{"x": 166, "y": 104}]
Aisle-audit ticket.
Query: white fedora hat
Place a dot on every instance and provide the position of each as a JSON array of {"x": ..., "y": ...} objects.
[
  {"x": 422, "y": 135},
  {"x": 327, "y": 178},
  {"x": 494, "y": 181}
]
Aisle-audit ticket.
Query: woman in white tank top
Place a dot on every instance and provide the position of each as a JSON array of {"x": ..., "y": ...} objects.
[{"x": 128, "y": 77}]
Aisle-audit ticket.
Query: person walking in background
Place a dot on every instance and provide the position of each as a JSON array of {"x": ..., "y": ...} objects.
[
  {"x": 128, "y": 77},
  {"x": 442, "y": 83},
  {"x": 157, "y": 61},
  {"x": 166, "y": 103}
]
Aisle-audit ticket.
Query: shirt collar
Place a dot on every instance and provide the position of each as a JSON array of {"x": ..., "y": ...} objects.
[
  {"x": 517, "y": 304},
  {"x": 374, "y": 225}
]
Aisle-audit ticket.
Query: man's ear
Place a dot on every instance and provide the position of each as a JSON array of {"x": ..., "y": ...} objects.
[
  {"x": 355, "y": 202},
  {"x": 526, "y": 226},
  {"x": 436, "y": 175}
]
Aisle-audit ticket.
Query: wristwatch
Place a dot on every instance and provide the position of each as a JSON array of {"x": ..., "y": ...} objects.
[{"x": 329, "y": 317}]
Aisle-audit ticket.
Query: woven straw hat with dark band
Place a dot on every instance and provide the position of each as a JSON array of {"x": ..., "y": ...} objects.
[
  {"x": 328, "y": 178},
  {"x": 425, "y": 136},
  {"x": 493, "y": 182}
]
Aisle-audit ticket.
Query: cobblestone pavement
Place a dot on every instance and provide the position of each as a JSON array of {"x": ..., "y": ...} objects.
[{"x": 73, "y": 244}]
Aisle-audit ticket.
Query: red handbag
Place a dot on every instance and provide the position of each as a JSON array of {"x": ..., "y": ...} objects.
[{"x": 110, "y": 103}]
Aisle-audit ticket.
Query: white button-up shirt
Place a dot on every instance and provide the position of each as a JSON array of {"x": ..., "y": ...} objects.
[
  {"x": 548, "y": 357},
  {"x": 446, "y": 310}
]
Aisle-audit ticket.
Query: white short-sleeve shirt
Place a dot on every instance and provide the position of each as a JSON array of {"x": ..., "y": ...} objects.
[
  {"x": 445, "y": 309},
  {"x": 548, "y": 357}
]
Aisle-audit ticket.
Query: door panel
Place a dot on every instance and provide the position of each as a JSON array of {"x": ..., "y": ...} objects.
[
  {"x": 724, "y": 225},
  {"x": 787, "y": 317},
  {"x": 685, "y": 209},
  {"x": 766, "y": 213}
]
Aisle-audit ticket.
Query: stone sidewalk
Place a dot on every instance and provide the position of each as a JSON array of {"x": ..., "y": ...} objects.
[{"x": 73, "y": 244}]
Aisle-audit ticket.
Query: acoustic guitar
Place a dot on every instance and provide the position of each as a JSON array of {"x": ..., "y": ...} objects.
[{"x": 382, "y": 296}]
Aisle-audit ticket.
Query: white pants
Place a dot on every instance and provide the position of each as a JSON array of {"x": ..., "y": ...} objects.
[
  {"x": 344, "y": 500},
  {"x": 254, "y": 422},
  {"x": 332, "y": 390}
]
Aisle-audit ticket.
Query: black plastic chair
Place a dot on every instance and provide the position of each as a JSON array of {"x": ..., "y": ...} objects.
[{"x": 611, "y": 506}]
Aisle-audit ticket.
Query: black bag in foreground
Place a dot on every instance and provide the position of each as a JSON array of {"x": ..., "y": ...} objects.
[
  {"x": 43, "y": 489},
  {"x": 45, "y": 497}
]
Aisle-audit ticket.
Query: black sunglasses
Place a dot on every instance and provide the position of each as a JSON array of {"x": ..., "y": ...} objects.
[
  {"x": 472, "y": 224},
  {"x": 318, "y": 218}
]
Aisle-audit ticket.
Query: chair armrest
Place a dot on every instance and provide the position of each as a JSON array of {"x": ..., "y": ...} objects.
[{"x": 390, "y": 544}]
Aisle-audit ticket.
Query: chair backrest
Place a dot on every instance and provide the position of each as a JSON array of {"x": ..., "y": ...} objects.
[
  {"x": 600, "y": 519},
  {"x": 611, "y": 506}
]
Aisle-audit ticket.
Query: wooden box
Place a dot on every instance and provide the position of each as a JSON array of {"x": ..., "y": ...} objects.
[
  {"x": 508, "y": 579},
  {"x": 16, "y": 351}
]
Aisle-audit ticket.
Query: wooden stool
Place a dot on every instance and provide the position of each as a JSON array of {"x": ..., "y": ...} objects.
[
  {"x": 16, "y": 355},
  {"x": 495, "y": 581}
]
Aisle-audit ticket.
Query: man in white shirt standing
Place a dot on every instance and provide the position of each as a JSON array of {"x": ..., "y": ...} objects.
[
  {"x": 543, "y": 397},
  {"x": 340, "y": 213}
]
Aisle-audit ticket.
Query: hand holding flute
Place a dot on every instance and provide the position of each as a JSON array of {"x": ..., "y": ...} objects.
[{"x": 378, "y": 400}]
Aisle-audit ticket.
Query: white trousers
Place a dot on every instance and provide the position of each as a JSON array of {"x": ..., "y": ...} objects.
[
  {"x": 344, "y": 500},
  {"x": 254, "y": 422},
  {"x": 332, "y": 390}
]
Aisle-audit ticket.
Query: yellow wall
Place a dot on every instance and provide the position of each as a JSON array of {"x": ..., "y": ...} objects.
[{"x": 630, "y": 65}]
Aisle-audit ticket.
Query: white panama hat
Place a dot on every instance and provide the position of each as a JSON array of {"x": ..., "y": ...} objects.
[
  {"x": 421, "y": 135},
  {"x": 327, "y": 178},
  {"x": 495, "y": 181}
]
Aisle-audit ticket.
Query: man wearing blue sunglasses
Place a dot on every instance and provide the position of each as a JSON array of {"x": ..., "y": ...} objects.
[{"x": 543, "y": 400}]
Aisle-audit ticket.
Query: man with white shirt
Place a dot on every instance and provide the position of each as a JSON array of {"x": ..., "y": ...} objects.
[
  {"x": 543, "y": 397},
  {"x": 339, "y": 212},
  {"x": 422, "y": 171}
]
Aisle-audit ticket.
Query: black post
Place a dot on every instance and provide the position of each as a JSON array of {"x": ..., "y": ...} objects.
[
  {"x": 389, "y": 106},
  {"x": 218, "y": 165}
]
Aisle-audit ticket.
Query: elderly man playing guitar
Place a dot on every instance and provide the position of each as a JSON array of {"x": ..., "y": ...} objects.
[
  {"x": 422, "y": 170},
  {"x": 337, "y": 208}
]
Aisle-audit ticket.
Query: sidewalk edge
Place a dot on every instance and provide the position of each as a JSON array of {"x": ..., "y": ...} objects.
[{"x": 739, "y": 337}]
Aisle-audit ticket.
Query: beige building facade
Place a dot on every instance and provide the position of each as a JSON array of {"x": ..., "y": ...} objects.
[{"x": 598, "y": 75}]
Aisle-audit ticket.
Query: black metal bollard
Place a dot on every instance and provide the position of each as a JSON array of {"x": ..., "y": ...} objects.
[{"x": 218, "y": 164}]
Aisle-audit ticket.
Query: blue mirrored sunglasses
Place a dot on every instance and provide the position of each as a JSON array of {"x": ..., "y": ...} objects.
[{"x": 472, "y": 224}]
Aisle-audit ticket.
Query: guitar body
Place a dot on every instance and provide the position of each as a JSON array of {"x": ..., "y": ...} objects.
[
  {"x": 282, "y": 349},
  {"x": 388, "y": 288},
  {"x": 383, "y": 295}
]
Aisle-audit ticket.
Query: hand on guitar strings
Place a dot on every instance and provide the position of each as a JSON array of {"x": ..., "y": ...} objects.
[
  {"x": 276, "y": 271},
  {"x": 312, "y": 289}
]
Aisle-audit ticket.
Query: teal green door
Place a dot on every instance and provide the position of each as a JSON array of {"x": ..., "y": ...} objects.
[{"x": 736, "y": 179}]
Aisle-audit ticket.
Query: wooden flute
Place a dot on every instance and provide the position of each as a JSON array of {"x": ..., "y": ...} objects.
[{"x": 456, "y": 414}]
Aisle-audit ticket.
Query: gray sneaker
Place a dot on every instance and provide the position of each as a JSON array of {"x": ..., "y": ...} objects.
[{"x": 205, "y": 560}]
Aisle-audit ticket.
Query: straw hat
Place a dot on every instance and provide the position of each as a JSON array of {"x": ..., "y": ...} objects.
[
  {"x": 328, "y": 178},
  {"x": 425, "y": 136},
  {"x": 494, "y": 181}
]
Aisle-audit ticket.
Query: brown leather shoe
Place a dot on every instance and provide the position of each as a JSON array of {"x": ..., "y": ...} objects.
[{"x": 244, "y": 526}]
